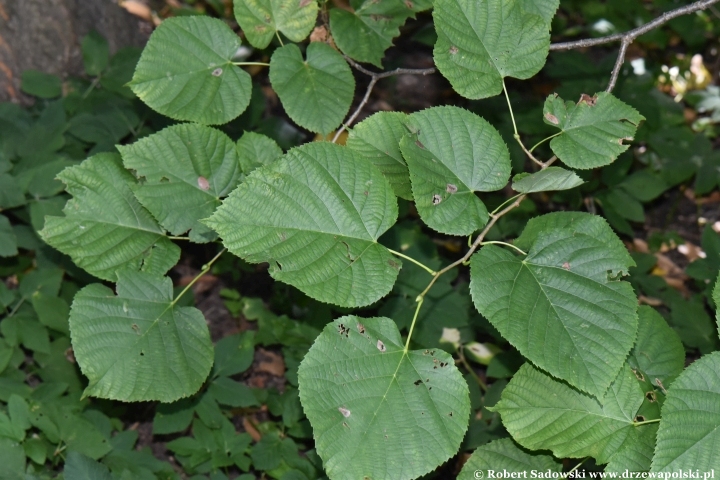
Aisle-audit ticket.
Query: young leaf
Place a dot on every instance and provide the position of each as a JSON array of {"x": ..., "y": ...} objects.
[
  {"x": 366, "y": 32},
  {"x": 95, "y": 52},
  {"x": 505, "y": 455},
  {"x": 481, "y": 43},
  {"x": 567, "y": 422},
  {"x": 550, "y": 179},
  {"x": 315, "y": 215},
  {"x": 562, "y": 305},
  {"x": 690, "y": 427},
  {"x": 377, "y": 138},
  {"x": 81, "y": 467},
  {"x": 316, "y": 93},
  {"x": 105, "y": 228},
  {"x": 261, "y": 19},
  {"x": 187, "y": 168},
  {"x": 41, "y": 85},
  {"x": 186, "y": 71},
  {"x": 451, "y": 154},
  {"x": 138, "y": 345},
  {"x": 256, "y": 150},
  {"x": 377, "y": 410},
  {"x": 658, "y": 351},
  {"x": 594, "y": 129}
]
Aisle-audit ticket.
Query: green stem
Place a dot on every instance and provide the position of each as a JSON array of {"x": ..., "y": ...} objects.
[
  {"x": 577, "y": 466},
  {"x": 512, "y": 116},
  {"x": 495, "y": 242},
  {"x": 17, "y": 306},
  {"x": 469, "y": 368},
  {"x": 424, "y": 267},
  {"x": 277, "y": 33},
  {"x": 505, "y": 203},
  {"x": 419, "y": 301},
  {"x": 636, "y": 424},
  {"x": 544, "y": 140},
  {"x": 178, "y": 238},
  {"x": 206, "y": 268},
  {"x": 245, "y": 64}
]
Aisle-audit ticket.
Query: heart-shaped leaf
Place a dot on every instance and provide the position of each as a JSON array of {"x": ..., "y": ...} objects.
[
  {"x": 451, "y": 154},
  {"x": 138, "y": 345},
  {"x": 186, "y": 169},
  {"x": 482, "y": 42},
  {"x": 593, "y": 130},
  {"x": 378, "y": 410},
  {"x": 186, "y": 71},
  {"x": 105, "y": 228},
  {"x": 567, "y": 422},
  {"x": 315, "y": 215},
  {"x": 505, "y": 455},
  {"x": 316, "y": 93},
  {"x": 562, "y": 305},
  {"x": 262, "y": 19}
]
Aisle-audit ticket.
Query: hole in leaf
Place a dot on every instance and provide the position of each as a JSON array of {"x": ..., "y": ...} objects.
[
  {"x": 217, "y": 72},
  {"x": 380, "y": 346},
  {"x": 651, "y": 396},
  {"x": 639, "y": 375},
  {"x": 640, "y": 418},
  {"x": 436, "y": 199}
]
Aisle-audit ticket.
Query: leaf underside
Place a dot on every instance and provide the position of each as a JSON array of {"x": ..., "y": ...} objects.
[{"x": 261, "y": 19}]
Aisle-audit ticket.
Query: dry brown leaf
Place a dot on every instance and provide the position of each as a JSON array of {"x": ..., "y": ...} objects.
[
  {"x": 691, "y": 251},
  {"x": 137, "y": 8},
  {"x": 251, "y": 430},
  {"x": 270, "y": 362},
  {"x": 653, "y": 302}
]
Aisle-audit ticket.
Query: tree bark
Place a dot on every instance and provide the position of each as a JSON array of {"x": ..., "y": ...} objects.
[{"x": 45, "y": 35}]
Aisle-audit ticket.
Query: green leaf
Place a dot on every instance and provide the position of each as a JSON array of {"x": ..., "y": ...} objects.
[
  {"x": 8, "y": 240},
  {"x": 544, "y": 8},
  {"x": 366, "y": 32},
  {"x": 80, "y": 467},
  {"x": 41, "y": 85},
  {"x": 658, "y": 351},
  {"x": 138, "y": 345},
  {"x": 504, "y": 455},
  {"x": 377, "y": 410},
  {"x": 690, "y": 427},
  {"x": 550, "y": 179},
  {"x": 562, "y": 305},
  {"x": 52, "y": 311},
  {"x": 232, "y": 393},
  {"x": 95, "y": 52},
  {"x": 377, "y": 138},
  {"x": 261, "y": 19},
  {"x": 593, "y": 130},
  {"x": 543, "y": 413},
  {"x": 11, "y": 194},
  {"x": 186, "y": 71},
  {"x": 316, "y": 93},
  {"x": 452, "y": 154},
  {"x": 256, "y": 150},
  {"x": 105, "y": 228},
  {"x": 481, "y": 43},
  {"x": 187, "y": 168},
  {"x": 315, "y": 215}
]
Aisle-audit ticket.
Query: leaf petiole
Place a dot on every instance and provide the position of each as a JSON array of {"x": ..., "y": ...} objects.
[
  {"x": 544, "y": 140},
  {"x": 419, "y": 301},
  {"x": 410, "y": 259},
  {"x": 245, "y": 64},
  {"x": 505, "y": 203},
  {"x": 495, "y": 242},
  {"x": 206, "y": 268},
  {"x": 637, "y": 424},
  {"x": 512, "y": 116}
]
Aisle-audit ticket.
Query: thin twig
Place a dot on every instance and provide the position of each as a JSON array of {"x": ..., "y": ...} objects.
[
  {"x": 374, "y": 77},
  {"x": 633, "y": 34},
  {"x": 628, "y": 37}
]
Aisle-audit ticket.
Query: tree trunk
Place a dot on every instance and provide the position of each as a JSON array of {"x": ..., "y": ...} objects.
[{"x": 45, "y": 35}]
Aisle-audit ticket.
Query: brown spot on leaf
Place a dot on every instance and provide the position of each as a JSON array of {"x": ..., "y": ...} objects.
[
  {"x": 217, "y": 72},
  {"x": 361, "y": 328},
  {"x": 453, "y": 50},
  {"x": 651, "y": 397},
  {"x": 566, "y": 266},
  {"x": 552, "y": 118},
  {"x": 585, "y": 98},
  {"x": 381, "y": 346},
  {"x": 639, "y": 375},
  {"x": 451, "y": 188},
  {"x": 345, "y": 412},
  {"x": 640, "y": 418},
  {"x": 417, "y": 142},
  {"x": 203, "y": 183},
  {"x": 304, "y": 3},
  {"x": 436, "y": 199}
]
